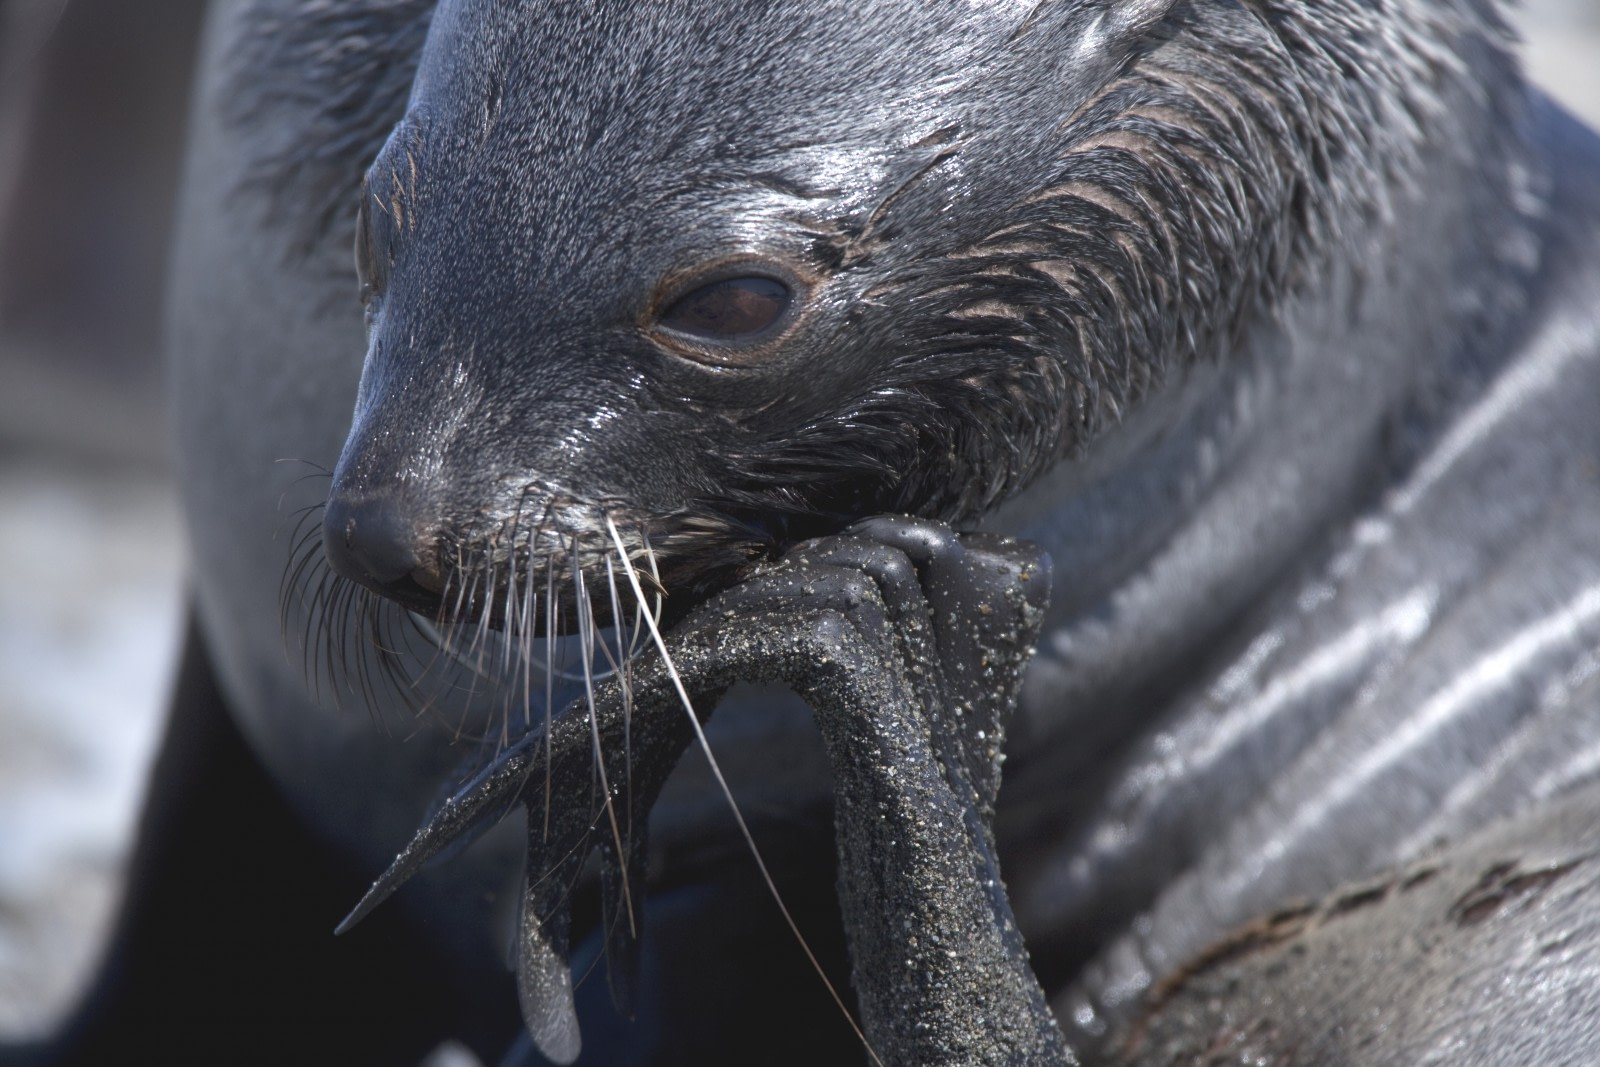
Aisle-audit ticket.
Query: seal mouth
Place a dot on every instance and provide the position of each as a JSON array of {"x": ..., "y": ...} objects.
[
  {"x": 491, "y": 610},
  {"x": 554, "y": 569},
  {"x": 540, "y": 590}
]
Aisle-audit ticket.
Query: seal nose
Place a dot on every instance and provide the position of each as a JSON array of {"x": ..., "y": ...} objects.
[{"x": 370, "y": 540}]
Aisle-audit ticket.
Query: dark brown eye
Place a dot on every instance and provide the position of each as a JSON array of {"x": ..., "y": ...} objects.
[{"x": 734, "y": 309}]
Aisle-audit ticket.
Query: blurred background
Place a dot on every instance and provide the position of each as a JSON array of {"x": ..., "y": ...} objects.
[{"x": 92, "y": 101}]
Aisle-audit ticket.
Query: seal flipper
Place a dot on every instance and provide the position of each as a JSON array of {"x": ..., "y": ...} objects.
[
  {"x": 859, "y": 625},
  {"x": 465, "y": 815},
  {"x": 561, "y": 839},
  {"x": 622, "y": 891},
  {"x": 914, "y": 738},
  {"x": 544, "y": 970}
]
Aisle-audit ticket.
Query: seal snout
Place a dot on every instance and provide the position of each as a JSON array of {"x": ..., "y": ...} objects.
[{"x": 371, "y": 540}]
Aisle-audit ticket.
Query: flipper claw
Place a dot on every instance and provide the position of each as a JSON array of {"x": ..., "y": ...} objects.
[{"x": 477, "y": 806}]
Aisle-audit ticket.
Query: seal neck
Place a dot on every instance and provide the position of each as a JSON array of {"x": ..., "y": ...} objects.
[{"x": 1212, "y": 495}]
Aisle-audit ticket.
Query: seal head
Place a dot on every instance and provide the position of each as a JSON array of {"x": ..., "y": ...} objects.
[{"x": 748, "y": 287}]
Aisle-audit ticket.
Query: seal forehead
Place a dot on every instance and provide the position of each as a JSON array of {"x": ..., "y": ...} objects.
[
  {"x": 584, "y": 87},
  {"x": 660, "y": 64},
  {"x": 624, "y": 139},
  {"x": 603, "y": 111}
]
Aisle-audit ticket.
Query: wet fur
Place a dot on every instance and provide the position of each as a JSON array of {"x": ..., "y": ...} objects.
[
  {"x": 1234, "y": 160},
  {"x": 1190, "y": 189},
  {"x": 1210, "y": 176}
]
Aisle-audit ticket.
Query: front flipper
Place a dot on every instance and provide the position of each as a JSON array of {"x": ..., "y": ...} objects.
[
  {"x": 584, "y": 748},
  {"x": 908, "y": 641}
]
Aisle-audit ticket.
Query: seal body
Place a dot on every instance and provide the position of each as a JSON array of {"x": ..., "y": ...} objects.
[{"x": 1271, "y": 323}]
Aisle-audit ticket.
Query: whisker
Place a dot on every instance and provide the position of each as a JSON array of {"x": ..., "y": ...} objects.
[
  {"x": 329, "y": 603},
  {"x": 506, "y": 670},
  {"x": 625, "y": 684},
  {"x": 474, "y": 653},
  {"x": 317, "y": 469},
  {"x": 372, "y": 613},
  {"x": 549, "y": 682},
  {"x": 530, "y": 609},
  {"x": 462, "y": 592},
  {"x": 727, "y": 793},
  {"x": 584, "y": 614},
  {"x": 659, "y": 592}
]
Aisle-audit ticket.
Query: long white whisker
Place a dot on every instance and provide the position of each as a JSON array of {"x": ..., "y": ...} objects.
[
  {"x": 505, "y": 672},
  {"x": 549, "y": 680},
  {"x": 530, "y": 608},
  {"x": 722, "y": 783},
  {"x": 625, "y": 683},
  {"x": 585, "y": 618}
]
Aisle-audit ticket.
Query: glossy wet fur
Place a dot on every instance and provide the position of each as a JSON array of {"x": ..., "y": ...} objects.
[
  {"x": 1286, "y": 283},
  {"x": 1080, "y": 209},
  {"x": 953, "y": 291}
]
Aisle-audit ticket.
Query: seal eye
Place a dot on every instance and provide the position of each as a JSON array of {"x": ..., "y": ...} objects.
[
  {"x": 733, "y": 309},
  {"x": 372, "y": 260}
]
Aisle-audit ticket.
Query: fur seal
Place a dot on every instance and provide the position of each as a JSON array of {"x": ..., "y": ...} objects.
[{"x": 1270, "y": 322}]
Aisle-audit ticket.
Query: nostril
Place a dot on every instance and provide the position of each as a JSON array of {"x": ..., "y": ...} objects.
[{"x": 372, "y": 541}]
